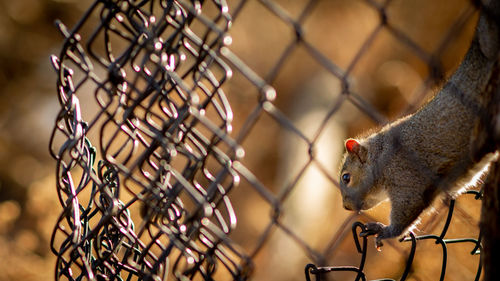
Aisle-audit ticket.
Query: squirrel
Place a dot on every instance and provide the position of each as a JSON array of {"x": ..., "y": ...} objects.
[{"x": 413, "y": 160}]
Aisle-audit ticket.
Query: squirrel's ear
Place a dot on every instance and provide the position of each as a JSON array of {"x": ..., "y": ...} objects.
[{"x": 354, "y": 147}]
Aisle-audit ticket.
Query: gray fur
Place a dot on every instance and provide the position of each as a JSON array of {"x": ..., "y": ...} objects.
[{"x": 415, "y": 158}]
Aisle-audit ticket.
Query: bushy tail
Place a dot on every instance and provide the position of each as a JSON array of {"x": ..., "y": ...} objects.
[
  {"x": 474, "y": 74},
  {"x": 486, "y": 135}
]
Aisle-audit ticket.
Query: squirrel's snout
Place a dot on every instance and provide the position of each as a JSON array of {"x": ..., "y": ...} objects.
[{"x": 348, "y": 206}]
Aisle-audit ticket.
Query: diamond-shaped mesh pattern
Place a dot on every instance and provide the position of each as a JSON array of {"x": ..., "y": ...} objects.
[{"x": 174, "y": 116}]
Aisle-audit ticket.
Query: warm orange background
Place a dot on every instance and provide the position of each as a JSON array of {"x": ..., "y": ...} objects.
[{"x": 387, "y": 76}]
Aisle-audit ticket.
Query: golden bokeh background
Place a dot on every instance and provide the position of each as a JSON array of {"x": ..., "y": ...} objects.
[{"x": 389, "y": 76}]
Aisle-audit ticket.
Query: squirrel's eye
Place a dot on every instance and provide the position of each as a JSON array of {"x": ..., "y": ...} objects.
[{"x": 346, "y": 178}]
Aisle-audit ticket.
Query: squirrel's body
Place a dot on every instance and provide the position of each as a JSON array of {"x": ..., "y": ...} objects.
[{"x": 413, "y": 159}]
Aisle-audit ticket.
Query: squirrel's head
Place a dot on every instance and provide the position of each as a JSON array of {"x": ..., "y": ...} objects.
[{"x": 357, "y": 180}]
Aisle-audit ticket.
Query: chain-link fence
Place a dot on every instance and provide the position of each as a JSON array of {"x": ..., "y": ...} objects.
[{"x": 200, "y": 140}]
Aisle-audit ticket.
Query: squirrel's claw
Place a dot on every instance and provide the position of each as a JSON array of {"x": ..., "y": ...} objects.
[
  {"x": 378, "y": 243},
  {"x": 372, "y": 228}
]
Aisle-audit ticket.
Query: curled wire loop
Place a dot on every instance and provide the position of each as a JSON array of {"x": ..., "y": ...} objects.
[
  {"x": 440, "y": 239},
  {"x": 143, "y": 180}
]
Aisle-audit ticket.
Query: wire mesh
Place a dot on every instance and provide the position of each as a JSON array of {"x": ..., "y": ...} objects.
[{"x": 154, "y": 168}]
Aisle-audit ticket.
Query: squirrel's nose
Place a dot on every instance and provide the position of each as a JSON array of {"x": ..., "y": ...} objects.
[{"x": 347, "y": 206}]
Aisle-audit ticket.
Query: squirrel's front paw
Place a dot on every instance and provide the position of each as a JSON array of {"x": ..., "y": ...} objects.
[{"x": 374, "y": 228}]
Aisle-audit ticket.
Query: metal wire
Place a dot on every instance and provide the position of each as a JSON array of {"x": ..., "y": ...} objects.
[
  {"x": 318, "y": 272},
  {"x": 145, "y": 170}
]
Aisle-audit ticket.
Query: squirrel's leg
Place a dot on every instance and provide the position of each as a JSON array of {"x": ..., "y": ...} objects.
[{"x": 404, "y": 212}]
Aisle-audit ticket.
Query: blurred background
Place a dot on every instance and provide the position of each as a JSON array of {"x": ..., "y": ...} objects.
[{"x": 391, "y": 75}]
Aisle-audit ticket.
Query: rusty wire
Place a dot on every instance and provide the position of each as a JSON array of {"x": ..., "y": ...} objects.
[{"x": 145, "y": 178}]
